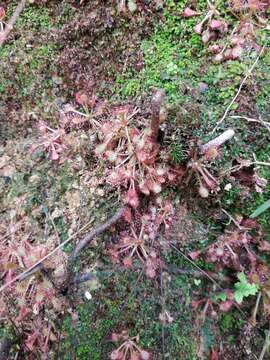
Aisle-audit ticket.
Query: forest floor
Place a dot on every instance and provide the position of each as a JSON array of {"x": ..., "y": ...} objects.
[{"x": 59, "y": 49}]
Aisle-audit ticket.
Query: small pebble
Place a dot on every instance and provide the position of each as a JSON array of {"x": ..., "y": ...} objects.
[
  {"x": 203, "y": 87},
  {"x": 88, "y": 295}
]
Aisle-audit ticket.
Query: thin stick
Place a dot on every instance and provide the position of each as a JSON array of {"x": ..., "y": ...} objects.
[
  {"x": 239, "y": 90},
  {"x": 247, "y": 164},
  {"x": 218, "y": 141},
  {"x": 55, "y": 229},
  {"x": 233, "y": 220},
  {"x": 95, "y": 232},
  {"x": 11, "y": 23},
  {"x": 157, "y": 101},
  {"x": 266, "y": 344},
  {"x": 22, "y": 275},
  {"x": 197, "y": 267},
  {"x": 248, "y": 119}
]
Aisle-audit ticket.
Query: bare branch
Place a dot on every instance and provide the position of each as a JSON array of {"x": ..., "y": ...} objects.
[
  {"x": 239, "y": 90},
  {"x": 252, "y": 120},
  {"x": 11, "y": 23},
  {"x": 218, "y": 141},
  {"x": 85, "y": 241},
  {"x": 156, "y": 103},
  {"x": 36, "y": 266},
  {"x": 95, "y": 232}
]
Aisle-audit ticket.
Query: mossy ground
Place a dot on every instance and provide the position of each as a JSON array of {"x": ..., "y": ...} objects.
[{"x": 175, "y": 59}]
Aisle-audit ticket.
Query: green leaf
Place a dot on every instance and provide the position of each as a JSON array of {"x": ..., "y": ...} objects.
[
  {"x": 238, "y": 297},
  {"x": 243, "y": 288},
  {"x": 260, "y": 209},
  {"x": 221, "y": 296},
  {"x": 242, "y": 277}
]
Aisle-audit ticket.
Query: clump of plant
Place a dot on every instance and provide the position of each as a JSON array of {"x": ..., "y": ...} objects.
[
  {"x": 136, "y": 161},
  {"x": 28, "y": 300},
  {"x": 213, "y": 28},
  {"x": 202, "y": 159},
  {"x": 234, "y": 251},
  {"x": 140, "y": 240},
  {"x": 128, "y": 350},
  {"x": 51, "y": 141},
  {"x": 199, "y": 167}
]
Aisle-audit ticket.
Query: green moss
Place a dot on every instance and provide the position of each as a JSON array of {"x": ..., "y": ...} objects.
[
  {"x": 235, "y": 202},
  {"x": 166, "y": 57},
  {"x": 231, "y": 323},
  {"x": 89, "y": 339},
  {"x": 176, "y": 152},
  {"x": 34, "y": 18},
  {"x": 119, "y": 306}
]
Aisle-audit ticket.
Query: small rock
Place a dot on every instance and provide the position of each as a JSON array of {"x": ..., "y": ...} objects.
[{"x": 203, "y": 87}]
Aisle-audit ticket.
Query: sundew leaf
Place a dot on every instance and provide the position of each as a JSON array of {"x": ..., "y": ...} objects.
[{"x": 262, "y": 208}]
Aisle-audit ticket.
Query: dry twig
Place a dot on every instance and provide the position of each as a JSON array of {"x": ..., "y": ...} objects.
[
  {"x": 218, "y": 141},
  {"x": 266, "y": 344},
  {"x": 11, "y": 23},
  {"x": 81, "y": 245},
  {"x": 156, "y": 104},
  {"x": 37, "y": 264},
  {"x": 86, "y": 240},
  {"x": 251, "y": 120},
  {"x": 95, "y": 232},
  {"x": 239, "y": 90}
]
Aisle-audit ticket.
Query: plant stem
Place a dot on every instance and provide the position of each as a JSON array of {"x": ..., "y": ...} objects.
[{"x": 156, "y": 103}]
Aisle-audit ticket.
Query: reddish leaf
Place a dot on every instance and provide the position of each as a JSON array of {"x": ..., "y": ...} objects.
[
  {"x": 214, "y": 49},
  {"x": 264, "y": 246},
  {"x": 216, "y": 24},
  {"x": 207, "y": 36},
  {"x": 150, "y": 272},
  {"x": 127, "y": 262},
  {"x": 226, "y": 305},
  {"x": 127, "y": 215},
  {"x": 203, "y": 191},
  {"x": 135, "y": 356},
  {"x": 236, "y": 40},
  {"x": 54, "y": 155},
  {"x": 24, "y": 311},
  {"x": 2, "y": 13},
  {"x": 144, "y": 188},
  {"x": 196, "y": 303},
  {"x": 237, "y": 52},
  {"x": 81, "y": 98},
  {"x": 218, "y": 58},
  {"x": 155, "y": 187},
  {"x": 214, "y": 355},
  {"x": 188, "y": 13},
  {"x": 132, "y": 198},
  {"x": 31, "y": 339},
  {"x": 115, "y": 337},
  {"x": 249, "y": 223},
  {"x": 194, "y": 254},
  {"x": 198, "y": 28}
]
